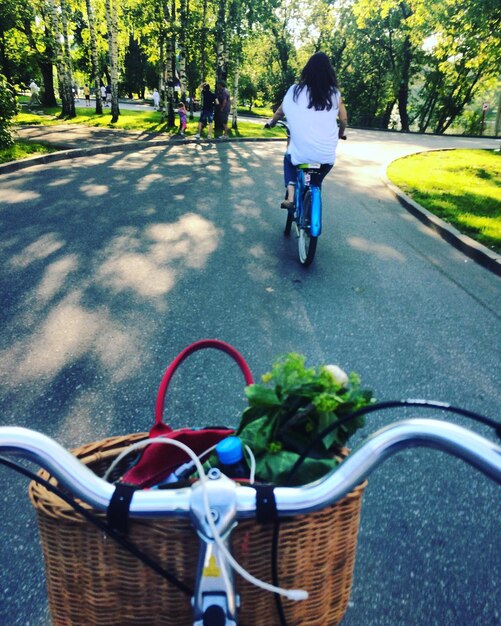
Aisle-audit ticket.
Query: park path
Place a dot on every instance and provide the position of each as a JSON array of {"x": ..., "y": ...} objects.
[
  {"x": 378, "y": 149},
  {"x": 112, "y": 261}
]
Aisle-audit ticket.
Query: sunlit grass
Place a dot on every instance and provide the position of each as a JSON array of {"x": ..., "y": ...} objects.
[
  {"x": 462, "y": 187},
  {"x": 146, "y": 121},
  {"x": 24, "y": 149},
  {"x": 143, "y": 121}
]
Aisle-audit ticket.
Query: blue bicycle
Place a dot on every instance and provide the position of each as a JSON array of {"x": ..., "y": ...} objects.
[{"x": 306, "y": 215}]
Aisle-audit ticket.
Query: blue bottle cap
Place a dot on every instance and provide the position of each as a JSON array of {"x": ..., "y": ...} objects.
[{"x": 230, "y": 451}]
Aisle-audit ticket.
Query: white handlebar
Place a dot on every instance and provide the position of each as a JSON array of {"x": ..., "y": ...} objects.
[{"x": 482, "y": 453}]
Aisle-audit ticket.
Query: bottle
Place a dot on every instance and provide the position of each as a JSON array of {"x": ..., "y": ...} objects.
[{"x": 230, "y": 453}]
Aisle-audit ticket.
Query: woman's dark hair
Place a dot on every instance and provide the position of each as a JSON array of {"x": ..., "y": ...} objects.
[{"x": 319, "y": 77}]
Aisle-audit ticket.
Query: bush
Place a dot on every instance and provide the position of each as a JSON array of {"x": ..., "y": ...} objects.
[
  {"x": 8, "y": 109},
  {"x": 470, "y": 123}
]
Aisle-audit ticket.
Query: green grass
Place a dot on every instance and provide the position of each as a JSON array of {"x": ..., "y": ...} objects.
[
  {"x": 265, "y": 112},
  {"x": 462, "y": 187},
  {"x": 147, "y": 121},
  {"x": 24, "y": 149}
]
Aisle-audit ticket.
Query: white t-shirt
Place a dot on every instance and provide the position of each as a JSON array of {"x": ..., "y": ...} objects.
[{"x": 314, "y": 134}]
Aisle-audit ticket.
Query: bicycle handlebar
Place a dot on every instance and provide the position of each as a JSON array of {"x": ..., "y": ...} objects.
[
  {"x": 285, "y": 125},
  {"x": 479, "y": 452}
]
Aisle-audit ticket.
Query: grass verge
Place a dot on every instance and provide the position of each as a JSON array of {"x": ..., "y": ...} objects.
[
  {"x": 24, "y": 149},
  {"x": 462, "y": 187},
  {"x": 146, "y": 121}
]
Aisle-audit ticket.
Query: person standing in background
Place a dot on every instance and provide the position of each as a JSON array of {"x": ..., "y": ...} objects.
[
  {"x": 156, "y": 100},
  {"x": 34, "y": 92},
  {"x": 209, "y": 100}
]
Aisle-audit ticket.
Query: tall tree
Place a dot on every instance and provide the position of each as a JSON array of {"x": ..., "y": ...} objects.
[
  {"x": 94, "y": 55},
  {"x": 112, "y": 28},
  {"x": 388, "y": 27},
  {"x": 61, "y": 62},
  {"x": 221, "y": 42},
  {"x": 182, "y": 37},
  {"x": 462, "y": 57},
  {"x": 69, "y": 82}
]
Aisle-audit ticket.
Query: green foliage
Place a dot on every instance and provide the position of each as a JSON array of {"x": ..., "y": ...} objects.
[
  {"x": 135, "y": 64},
  {"x": 292, "y": 406},
  {"x": 247, "y": 90},
  {"x": 429, "y": 61},
  {"x": 8, "y": 109}
]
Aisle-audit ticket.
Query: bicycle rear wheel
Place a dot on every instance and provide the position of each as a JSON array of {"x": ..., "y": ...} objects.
[{"x": 307, "y": 244}]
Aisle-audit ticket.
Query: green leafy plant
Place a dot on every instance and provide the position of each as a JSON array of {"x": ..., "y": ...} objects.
[
  {"x": 290, "y": 408},
  {"x": 8, "y": 109}
]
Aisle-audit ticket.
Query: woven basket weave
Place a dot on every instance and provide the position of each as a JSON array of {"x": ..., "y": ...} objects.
[{"x": 93, "y": 581}]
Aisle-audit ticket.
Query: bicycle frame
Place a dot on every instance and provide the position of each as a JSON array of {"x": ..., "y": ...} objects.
[
  {"x": 302, "y": 184},
  {"x": 229, "y": 501}
]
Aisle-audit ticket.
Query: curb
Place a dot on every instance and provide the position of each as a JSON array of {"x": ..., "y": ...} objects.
[
  {"x": 468, "y": 246},
  {"x": 70, "y": 153}
]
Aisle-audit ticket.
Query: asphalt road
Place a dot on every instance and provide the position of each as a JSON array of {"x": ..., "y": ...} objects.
[{"x": 113, "y": 263}]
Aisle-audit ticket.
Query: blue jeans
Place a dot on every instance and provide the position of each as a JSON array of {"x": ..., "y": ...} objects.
[{"x": 290, "y": 172}]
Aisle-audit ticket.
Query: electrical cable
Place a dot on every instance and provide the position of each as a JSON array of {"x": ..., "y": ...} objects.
[
  {"x": 380, "y": 406},
  {"x": 391, "y": 404},
  {"x": 291, "y": 594}
]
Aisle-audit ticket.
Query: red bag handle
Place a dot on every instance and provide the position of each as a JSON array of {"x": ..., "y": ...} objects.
[{"x": 194, "y": 347}]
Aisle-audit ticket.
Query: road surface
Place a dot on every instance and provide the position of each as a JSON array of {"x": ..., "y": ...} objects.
[{"x": 112, "y": 263}]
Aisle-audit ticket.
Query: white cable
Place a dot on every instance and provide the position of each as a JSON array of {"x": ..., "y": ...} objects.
[
  {"x": 252, "y": 467},
  {"x": 143, "y": 444},
  {"x": 291, "y": 594}
]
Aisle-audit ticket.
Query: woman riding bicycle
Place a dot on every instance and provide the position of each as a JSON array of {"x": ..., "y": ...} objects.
[{"x": 312, "y": 108}]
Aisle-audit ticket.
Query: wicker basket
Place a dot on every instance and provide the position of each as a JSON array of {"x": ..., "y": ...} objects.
[{"x": 93, "y": 581}]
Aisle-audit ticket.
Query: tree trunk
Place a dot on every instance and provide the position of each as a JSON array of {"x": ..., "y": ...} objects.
[
  {"x": 234, "y": 104},
  {"x": 64, "y": 88},
  {"x": 221, "y": 36},
  {"x": 95, "y": 63},
  {"x": 67, "y": 61},
  {"x": 497, "y": 129},
  {"x": 48, "y": 96},
  {"x": 112, "y": 25},
  {"x": 403, "y": 89},
  {"x": 169, "y": 82},
  {"x": 428, "y": 107},
  {"x": 183, "y": 24},
  {"x": 203, "y": 42},
  {"x": 385, "y": 121}
]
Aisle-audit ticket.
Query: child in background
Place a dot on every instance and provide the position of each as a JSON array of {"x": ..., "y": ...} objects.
[
  {"x": 156, "y": 100},
  {"x": 182, "y": 118}
]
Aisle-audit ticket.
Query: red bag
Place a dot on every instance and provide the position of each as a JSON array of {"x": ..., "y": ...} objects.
[{"x": 159, "y": 460}]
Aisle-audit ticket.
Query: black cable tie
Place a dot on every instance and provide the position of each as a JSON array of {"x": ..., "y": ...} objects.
[
  {"x": 266, "y": 505},
  {"x": 118, "y": 508}
]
